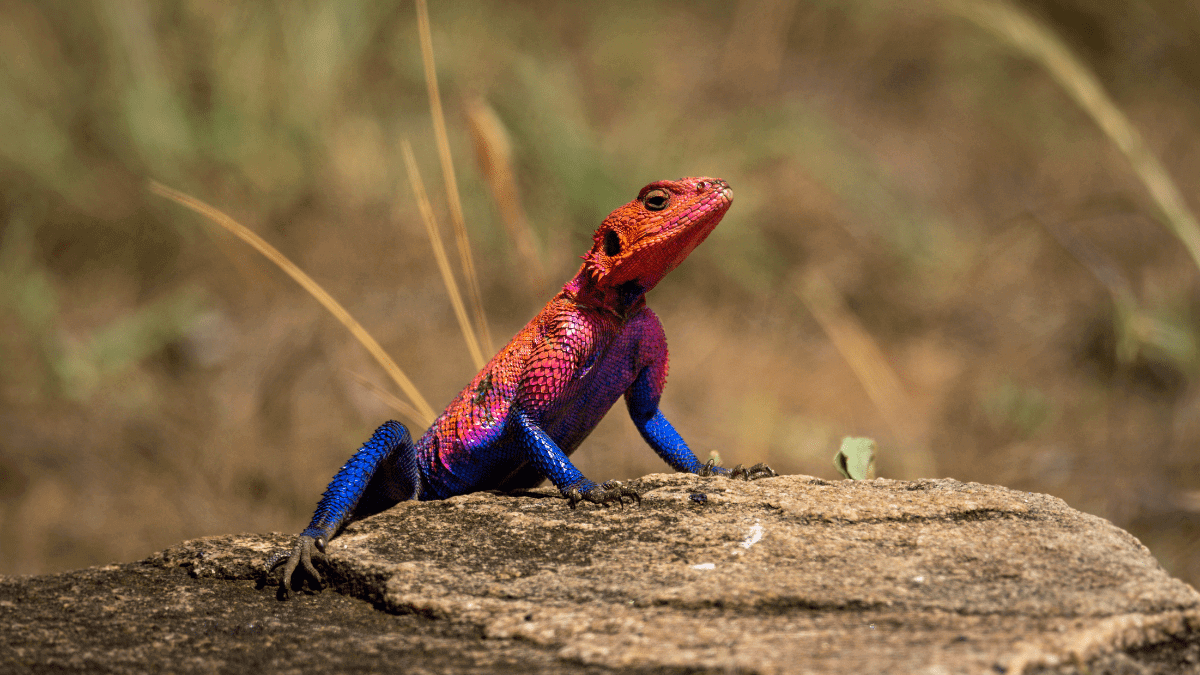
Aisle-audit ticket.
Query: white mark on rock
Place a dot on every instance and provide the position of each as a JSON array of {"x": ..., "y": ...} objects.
[
  {"x": 705, "y": 566},
  {"x": 755, "y": 535},
  {"x": 918, "y": 580}
]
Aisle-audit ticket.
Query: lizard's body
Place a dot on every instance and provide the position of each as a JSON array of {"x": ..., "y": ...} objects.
[
  {"x": 608, "y": 353},
  {"x": 543, "y": 393}
]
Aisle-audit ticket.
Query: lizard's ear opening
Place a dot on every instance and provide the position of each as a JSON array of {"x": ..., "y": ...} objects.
[{"x": 612, "y": 243}]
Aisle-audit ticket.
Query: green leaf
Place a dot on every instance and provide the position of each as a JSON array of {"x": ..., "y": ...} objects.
[{"x": 856, "y": 459}]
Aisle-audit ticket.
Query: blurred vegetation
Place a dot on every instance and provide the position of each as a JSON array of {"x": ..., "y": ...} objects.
[{"x": 997, "y": 296}]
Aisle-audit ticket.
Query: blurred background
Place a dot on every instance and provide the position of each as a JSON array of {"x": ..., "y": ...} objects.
[{"x": 932, "y": 243}]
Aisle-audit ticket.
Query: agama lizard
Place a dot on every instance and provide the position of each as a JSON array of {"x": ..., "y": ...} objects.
[{"x": 535, "y": 401}]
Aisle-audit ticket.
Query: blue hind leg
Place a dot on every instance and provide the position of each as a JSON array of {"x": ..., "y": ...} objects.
[{"x": 382, "y": 473}]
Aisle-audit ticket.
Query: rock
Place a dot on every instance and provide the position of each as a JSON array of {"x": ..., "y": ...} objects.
[{"x": 782, "y": 575}]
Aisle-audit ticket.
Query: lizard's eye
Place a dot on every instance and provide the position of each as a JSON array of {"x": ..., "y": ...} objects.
[
  {"x": 612, "y": 243},
  {"x": 702, "y": 185},
  {"x": 656, "y": 200}
]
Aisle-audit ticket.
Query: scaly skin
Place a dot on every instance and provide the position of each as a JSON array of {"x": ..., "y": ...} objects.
[{"x": 535, "y": 401}]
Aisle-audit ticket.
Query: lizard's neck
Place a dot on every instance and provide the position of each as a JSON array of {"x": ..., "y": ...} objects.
[{"x": 620, "y": 300}]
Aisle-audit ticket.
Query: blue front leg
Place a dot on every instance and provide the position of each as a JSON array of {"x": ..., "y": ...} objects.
[
  {"x": 549, "y": 459},
  {"x": 541, "y": 450},
  {"x": 642, "y": 400},
  {"x": 669, "y": 445}
]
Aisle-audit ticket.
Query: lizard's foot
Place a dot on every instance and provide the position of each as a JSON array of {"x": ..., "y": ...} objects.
[
  {"x": 611, "y": 491},
  {"x": 755, "y": 472},
  {"x": 300, "y": 556}
]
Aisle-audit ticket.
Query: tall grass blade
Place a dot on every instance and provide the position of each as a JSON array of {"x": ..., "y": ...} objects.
[
  {"x": 493, "y": 151},
  {"x": 443, "y": 146},
  {"x": 439, "y": 254},
  {"x": 424, "y": 413},
  {"x": 1042, "y": 45}
]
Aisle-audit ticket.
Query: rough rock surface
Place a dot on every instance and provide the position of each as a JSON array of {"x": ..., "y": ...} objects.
[{"x": 782, "y": 575}]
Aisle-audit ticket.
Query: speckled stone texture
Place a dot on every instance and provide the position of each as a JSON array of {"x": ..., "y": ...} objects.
[{"x": 781, "y": 575}]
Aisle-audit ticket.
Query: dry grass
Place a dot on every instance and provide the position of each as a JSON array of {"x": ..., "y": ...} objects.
[
  {"x": 493, "y": 150},
  {"x": 439, "y": 254},
  {"x": 1039, "y": 43},
  {"x": 419, "y": 410},
  {"x": 466, "y": 260}
]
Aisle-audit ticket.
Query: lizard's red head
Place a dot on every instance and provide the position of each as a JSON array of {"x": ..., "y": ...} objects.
[{"x": 639, "y": 243}]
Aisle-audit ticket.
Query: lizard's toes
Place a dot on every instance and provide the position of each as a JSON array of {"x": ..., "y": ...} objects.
[
  {"x": 617, "y": 491},
  {"x": 298, "y": 557},
  {"x": 755, "y": 472},
  {"x": 709, "y": 469},
  {"x": 611, "y": 492}
]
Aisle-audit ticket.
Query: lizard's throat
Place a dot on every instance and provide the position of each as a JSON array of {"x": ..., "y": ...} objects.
[{"x": 618, "y": 299}]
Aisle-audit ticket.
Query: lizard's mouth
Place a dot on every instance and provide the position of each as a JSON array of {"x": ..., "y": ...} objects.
[
  {"x": 695, "y": 224},
  {"x": 698, "y": 219}
]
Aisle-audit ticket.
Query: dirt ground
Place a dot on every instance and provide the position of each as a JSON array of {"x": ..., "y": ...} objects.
[{"x": 932, "y": 243}]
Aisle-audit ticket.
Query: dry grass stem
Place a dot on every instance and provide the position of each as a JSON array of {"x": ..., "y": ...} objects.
[
  {"x": 394, "y": 402},
  {"x": 423, "y": 413},
  {"x": 493, "y": 151},
  {"x": 871, "y": 368},
  {"x": 1040, "y": 44},
  {"x": 443, "y": 145},
  {"x": 439, "y": 254}
]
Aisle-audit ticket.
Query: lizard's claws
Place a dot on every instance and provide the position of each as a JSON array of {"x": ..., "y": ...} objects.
[
  {"x": 300, "y": 556},
  {"x": 611, "y": 491},
  {"x": 755, "y": 472}
]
